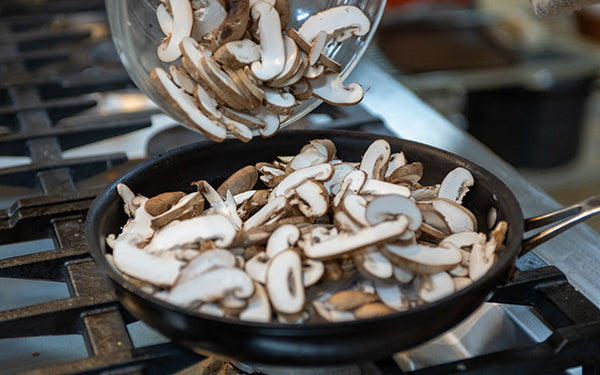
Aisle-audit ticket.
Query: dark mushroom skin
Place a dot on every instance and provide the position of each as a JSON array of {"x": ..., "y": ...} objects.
[{"x": 233, "y": 26}]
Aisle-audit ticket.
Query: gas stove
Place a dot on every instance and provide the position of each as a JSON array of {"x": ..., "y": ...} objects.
[{"x": 71, "y": 121}]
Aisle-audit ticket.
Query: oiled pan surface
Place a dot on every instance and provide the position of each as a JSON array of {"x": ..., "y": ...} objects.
[{"x": 306, "y": 344}]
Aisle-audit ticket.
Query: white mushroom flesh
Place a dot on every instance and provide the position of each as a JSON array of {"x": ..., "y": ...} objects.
[{"x": 293, "y": 255}]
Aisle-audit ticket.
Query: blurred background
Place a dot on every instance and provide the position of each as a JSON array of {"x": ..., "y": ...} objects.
[{"x": 526, "y": 87}]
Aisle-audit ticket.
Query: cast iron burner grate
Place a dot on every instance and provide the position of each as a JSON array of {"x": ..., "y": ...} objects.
[{"x": 55, "y": 59}]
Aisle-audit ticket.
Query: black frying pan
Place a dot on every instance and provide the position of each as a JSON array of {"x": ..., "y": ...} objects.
[{"x": 313, "y": 343}]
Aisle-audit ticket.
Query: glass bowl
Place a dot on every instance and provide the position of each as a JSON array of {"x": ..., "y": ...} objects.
[{"x": 136, "y": 35}]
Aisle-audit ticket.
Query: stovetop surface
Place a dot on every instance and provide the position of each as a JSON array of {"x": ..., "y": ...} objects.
[{"x": 71, "y": 121}]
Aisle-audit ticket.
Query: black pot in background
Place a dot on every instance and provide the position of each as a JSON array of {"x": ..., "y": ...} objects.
[{"x": 535, "y": 127}]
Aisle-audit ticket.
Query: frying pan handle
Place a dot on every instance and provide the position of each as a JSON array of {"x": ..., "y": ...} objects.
[{"x": 560, "y": 220}]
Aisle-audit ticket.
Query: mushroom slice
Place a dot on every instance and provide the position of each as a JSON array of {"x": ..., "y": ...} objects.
[
  {"x": 390, "y": 206},
  {"x": 301, "y": 90},
  {"x": 319, "y": 172},
  {"x": 168, "y": 50},
  {"x": 210, "y": 309},
  {"x": 208, "y": 15},
  {"x": 270, "y": 119},
  {"x": 456, "y": 184},
  {"x": 223, "y": 85},
  {"x": 185, "y": 105},
  {"x": 216, "y": 284},
  {"x": 313, "y": 199},
  {"x": 237, "y": 53},
  {"x": 372, "y": 263},
  {"x": 225, "y": 207},
  {"x": 208, "y": 227},
  {"x": 462, "y": 240},
  {"x": 206, "y": 261},
  {"x": 330, "y": 88},
  {"x": 182, "y": 78},
  {"x": 436, "y": 286},
  {"x": 284, "y": 282},
  {"x": 138, "y": 230},
  {"x": 392, "y": 295},
  {"x": 317, "y": 47},
  {"x": 256, "y": 267},
  {"x": 162, "y": 202},
  {"x": 272, "y": 59},
  {"x": 499, "y": 233},
  {"x": 335, "y": 20},
  {"x": 408, "y": 174},
  {"x": 127, "y": 196},
  {"x": 238, "y": 129},
  {"x": 350, "y": 299},
  {"x": 207, "y": 104},
  {"x": 397, "y": 160},
  {"x": 375, "y": 159},
  {"x": 377, "y": 187},
  {"x": 292, "y": 63},
  {"x": 373, "y": 310},
  {"x": 240, "y": 181},
  {"x": 432, "y": 217},
  {"x": 272, "y": 208},
  {"x": 403, "y": 275},
  {"x": 243, "y": 78},
  {"x": 306, "y": 158},
  {"x": 312, "y": 271},
  {"x": 352, "y": 182},
  {"x": 259, "y": 307},
  {"x": 461, "y": 282},
  {"x": 423, "y": 259},
  {"x": 327, "y": 312},
  {"x": 344, "y": 243},
  {"x": 425, "y": 193},
  {"x": 282, "y": 239},
  {"x": 279, "y": 101},
  {"x": 233, "y": 26},
  {"x": 482, "y": 257},
  {"x": 334, "y": 184},
  {"x": 191, "y": 203},
  {"x": 355, "y": 207},
  {"x": 160, "y": 270},
  {"x": 459, "y": 219},
  {"x": 165, "y": 19}
]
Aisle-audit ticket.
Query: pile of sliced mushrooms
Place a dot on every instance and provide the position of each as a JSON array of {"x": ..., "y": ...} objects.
[
  {"x": 322, "y": 239},
  {"x": 236, "y": 67}
]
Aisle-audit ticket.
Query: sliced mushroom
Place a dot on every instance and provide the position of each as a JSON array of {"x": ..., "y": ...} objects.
[
  {"x": 168, "y": 50},
  {"x": 165, "y": 19},
  {"x": 403, "y": 275},
  {"x": 390, "y": 206},
  {"x": 209, "y": 227},
  {"x": 191, "y": 204},
  {"x": 377, "y": 187},
  {"x": 127, "y": 196},
  {"x": 456, "y": 184},
  {"x": 335, "y": 21},
  {"x": 274, "y": 207},
  {"x": 216, "y": 284},
  {"x": 423, "y": 259},
  {"x": 279, "y": 101},
  {"x": 157, "y": 269},
  {"x": 344, "y": 243},
  {"x": 355, "y": 207},
  {"x": 392, "y": 295},
  {"x": 162, "y": 202},
  {"x": 237, "y": 53},
  {"x": 185, "y": 105},
  {"x": 225, "y": 207},
  {"x": 375, "y": 159},
  {"x": 206, "y": 261},
  {"x": 284, "y": 282},
  {"x": 319, "y": 172},
  {"x": 373, "y": 310},
  {"x": 408, "y": 174},
  {"x": 233, "y": 26},
  {"x": 312, "y": 271},
  {"x": 313, "y": 199},
  {"x": 256, "y": 267},
  {"x": 397, "y": 160},
  {"x": 437, "y": 286},
  {"x": 259, "y": 307},
  {"x": 372, "y": 263},
  {"x": 272, "y": 49},
  {"x": 208, "y": 16},
  {"x": 240, "y": 181},
  {"x": 330, "y": 88},
  {"x": 459, "y": 219},
  {"x": 347, "y": 300},
  {"x": 482, "y": 258},
  {"x": 182, "y": 78},
  {"x": 282, "y": 239},
  {"x": 327, "y": 312}
]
